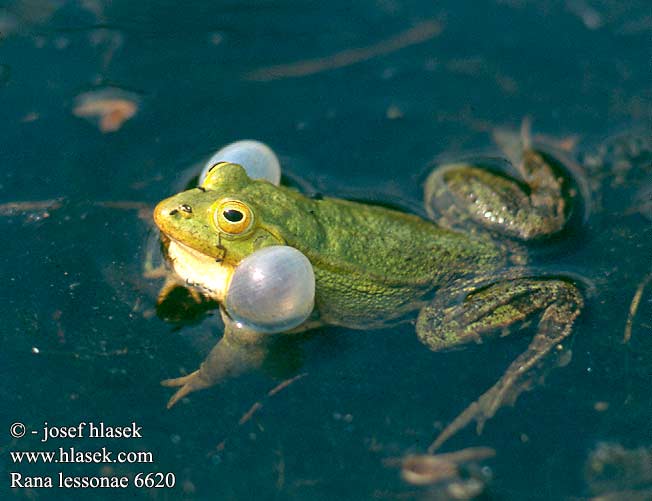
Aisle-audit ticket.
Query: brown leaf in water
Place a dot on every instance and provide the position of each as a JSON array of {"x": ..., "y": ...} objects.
[{"x": 108, "y": 108}]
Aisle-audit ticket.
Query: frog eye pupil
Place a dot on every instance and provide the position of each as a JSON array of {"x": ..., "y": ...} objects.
[{"x": 233, "y": 215}]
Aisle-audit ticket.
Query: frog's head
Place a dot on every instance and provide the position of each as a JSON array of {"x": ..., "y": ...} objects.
[
  {"x": 220, "y": 218},
  {"x": 210, "y": 229},
  {"x": 213, "y": 227}
]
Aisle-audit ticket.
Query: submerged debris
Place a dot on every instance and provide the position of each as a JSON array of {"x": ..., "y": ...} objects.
[
  {"x": 589, "y": 16},
  {"x": 33, "y": 210},
  {"x": 23, "y": 207},
  {"x": 256, "y": 406},
  {"x": 107, "y": 108},
  {"x": 643, "y": 202},
  {"x": 417, "y": 34},
  {"x": 633, "y": 307},
  {"x": 458, "y": 473},
  {"x": 613, "y": 472}
]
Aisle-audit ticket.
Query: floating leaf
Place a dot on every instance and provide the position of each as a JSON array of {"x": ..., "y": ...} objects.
[{"x": 108, "y": 108}]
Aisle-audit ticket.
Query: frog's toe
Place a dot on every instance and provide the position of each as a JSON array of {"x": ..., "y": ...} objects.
[
  {"x": 481, "y": 410},
  {"x": 191, "y": 382}
]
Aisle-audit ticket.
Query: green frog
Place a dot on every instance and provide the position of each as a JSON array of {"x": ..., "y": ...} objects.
[{"x": 377, "y": 267}]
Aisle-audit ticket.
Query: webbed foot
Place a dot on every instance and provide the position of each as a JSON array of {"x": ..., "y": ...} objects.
[{"x": 190, "y": 383}]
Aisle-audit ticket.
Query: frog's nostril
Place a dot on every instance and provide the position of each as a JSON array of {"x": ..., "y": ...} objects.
[
  {"x": 185, "y": 208},
  {"x": 162, "y": 212}
]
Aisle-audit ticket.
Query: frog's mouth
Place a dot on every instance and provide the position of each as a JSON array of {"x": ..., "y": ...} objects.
[
  {"x": 198, "y": 270},
  {"x": 181, "y": 222}
]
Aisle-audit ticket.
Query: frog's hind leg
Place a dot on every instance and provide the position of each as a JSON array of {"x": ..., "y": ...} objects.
[
  {"x": 529, "y": 208},
  {"x": 441, "y": 325}
]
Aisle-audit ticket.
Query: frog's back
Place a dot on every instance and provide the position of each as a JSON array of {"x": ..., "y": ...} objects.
[{"x": 376, "y": 264}]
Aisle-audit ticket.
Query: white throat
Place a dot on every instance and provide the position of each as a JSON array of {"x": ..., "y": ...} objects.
[{"x": 199, "y": 270}]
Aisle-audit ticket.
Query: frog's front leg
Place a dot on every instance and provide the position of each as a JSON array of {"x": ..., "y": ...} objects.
[
  {"x": 442, "y": 325},
  {"x": 180, "y": 303},
  {"x": 240, "y": 349},
  {"x": 271, "y": 291},
  {"x": 527, "y": 209}
]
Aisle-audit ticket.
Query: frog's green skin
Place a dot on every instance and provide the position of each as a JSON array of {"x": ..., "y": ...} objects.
[
  {"x": 374, "y": 266},
  {"x": 371, "y": 264}
]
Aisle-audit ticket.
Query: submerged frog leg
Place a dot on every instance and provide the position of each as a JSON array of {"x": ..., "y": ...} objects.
[
  {"x": 529, "y": 208},
  {"x": 239, "y": 350},
  {"x": 171, "y": 283},
  {"x": 441, "y": 326},
  {"x": 178, "y": 302}
]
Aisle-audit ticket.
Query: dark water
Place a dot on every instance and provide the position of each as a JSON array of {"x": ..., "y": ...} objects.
[{"x": 392, "y": 86}]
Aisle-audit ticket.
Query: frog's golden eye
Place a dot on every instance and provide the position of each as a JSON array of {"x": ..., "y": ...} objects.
[{"x": 233, "y": 216}]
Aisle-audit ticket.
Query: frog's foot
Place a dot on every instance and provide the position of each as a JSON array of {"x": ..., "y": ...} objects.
[
  {"x": 236, "y": 352},
  {"x": 530, "y": 208},
  {"x": 190, "y": 383},
  {"x": 442, "y": 326}
]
